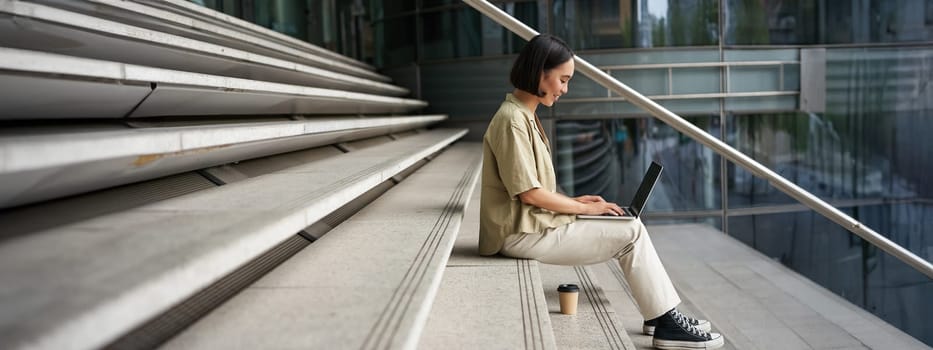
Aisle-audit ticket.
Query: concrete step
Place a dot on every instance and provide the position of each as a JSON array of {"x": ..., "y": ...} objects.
[
  {"x": 83, "y": 285},
  {"x": 487, "y": 302},
  {"x": 41, "y": 85},
  {"x": 190, "y": 25},
  {"x": 28, "y": 26},
  {"x": 369, "y": 283},
  {"x": 24, "y": 220},
  {"x": 41, "y": 163}
]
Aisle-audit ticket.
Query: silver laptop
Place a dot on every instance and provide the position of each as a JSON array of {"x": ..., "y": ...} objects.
[{"x": 641, "y": 197}]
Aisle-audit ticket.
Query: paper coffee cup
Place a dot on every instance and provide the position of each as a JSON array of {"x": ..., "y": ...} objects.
[{"x": 568, "y": 298}]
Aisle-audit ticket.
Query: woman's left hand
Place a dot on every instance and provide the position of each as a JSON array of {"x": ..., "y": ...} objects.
[{"x": 589, "y": 199}]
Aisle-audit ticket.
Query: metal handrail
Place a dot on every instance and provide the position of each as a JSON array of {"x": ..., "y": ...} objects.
[{"x": 719, "y": 147}]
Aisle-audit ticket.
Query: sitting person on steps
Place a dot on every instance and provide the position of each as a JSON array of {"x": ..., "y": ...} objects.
[{"x": 523, "y": 216}]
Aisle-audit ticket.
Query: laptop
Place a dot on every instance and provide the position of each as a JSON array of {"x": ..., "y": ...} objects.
[{"x": 632, "y": 211}]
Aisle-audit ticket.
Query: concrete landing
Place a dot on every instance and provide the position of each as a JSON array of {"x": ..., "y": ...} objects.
[{"x": 755, "y": 302}]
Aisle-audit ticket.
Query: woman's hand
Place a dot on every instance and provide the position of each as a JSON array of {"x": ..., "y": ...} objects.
[
  {"x": 589, "y": 205},
  {"x": 596, "y": 205},
  {"x": 600, "y": 208}
]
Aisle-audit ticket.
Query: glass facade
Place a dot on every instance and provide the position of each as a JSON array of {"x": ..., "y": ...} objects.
[
  {"x": 634, "y": 23},
  {"x": 340, "y": 26},
  {"x": 441, "y": 29},
  {"x": 734, "y": 68},
  {"x": 424, "y": 30},
  {"x": 795, "y": 22}
]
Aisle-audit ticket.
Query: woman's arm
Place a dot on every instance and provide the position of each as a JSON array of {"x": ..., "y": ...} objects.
[{"x": 588, "y": 205}]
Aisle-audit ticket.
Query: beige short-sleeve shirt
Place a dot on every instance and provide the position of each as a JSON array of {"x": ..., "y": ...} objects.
[{"x": 515, "y": 159}]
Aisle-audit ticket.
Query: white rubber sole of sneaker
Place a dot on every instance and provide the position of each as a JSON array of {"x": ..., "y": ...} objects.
[
  {"x": 715, "y": 343},
  {"x": 649, "y": 330}
]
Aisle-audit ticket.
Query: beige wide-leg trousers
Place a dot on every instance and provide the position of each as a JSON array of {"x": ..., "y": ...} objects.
[{"x": 592, "y": 241}]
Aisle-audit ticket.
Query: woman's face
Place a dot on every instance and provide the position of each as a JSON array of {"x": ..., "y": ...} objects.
[{"x": 554, "y": 82}]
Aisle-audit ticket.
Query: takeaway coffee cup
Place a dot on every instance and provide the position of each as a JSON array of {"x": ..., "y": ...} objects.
[{"x": 568, "y": 298}]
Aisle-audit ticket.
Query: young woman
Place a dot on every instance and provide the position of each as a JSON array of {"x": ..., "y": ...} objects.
[{"x": 523, "y": 216}]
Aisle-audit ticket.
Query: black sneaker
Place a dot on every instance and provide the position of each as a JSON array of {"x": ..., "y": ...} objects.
[
  {"x": 703, "y": 325},
  {"x": 675, "y": 333}
]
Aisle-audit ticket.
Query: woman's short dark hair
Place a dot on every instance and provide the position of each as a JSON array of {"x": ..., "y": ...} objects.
[{"x": 542, "y": 53}]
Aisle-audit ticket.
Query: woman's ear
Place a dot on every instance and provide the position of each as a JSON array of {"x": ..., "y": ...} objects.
[{"x": 541, "y": 83}]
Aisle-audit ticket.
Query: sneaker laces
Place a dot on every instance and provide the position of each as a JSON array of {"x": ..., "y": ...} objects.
[
  {"x": 689, "y": 324},
  {"x": 696, "y": 331},
  {"x": 680, "y": 317}
]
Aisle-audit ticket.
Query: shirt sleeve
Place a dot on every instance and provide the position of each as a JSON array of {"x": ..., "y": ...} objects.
[{"x": 515, "y": 160}]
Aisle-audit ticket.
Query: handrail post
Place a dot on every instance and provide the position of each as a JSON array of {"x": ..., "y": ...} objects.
[{"x": 721, "y": 148}]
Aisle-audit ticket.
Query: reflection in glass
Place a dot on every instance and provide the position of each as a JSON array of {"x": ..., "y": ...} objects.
[
  {"x": 287, "y": 17},
  {"x": 526, "y": 12},
  {"x": 798, "y": 147},
  {"x": 445, "y": 32},
  {"x": 879, "y": 101},
  {"x": 230, "y": 7},
  {"x": 609, "y": 157},
  {"x": 395, "y": 41},
  {"x": 339, "y": 26},
  {"x": 450, "y": 34},
  {"x": 383, "y": 9},
  {"x": 755, "y": 22},
  {"x": 633, "y": 23},
  {"x": 841, "y": 157}
]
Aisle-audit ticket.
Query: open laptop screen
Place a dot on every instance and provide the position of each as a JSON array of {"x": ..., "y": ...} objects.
[{"x": 647, "y": 184}]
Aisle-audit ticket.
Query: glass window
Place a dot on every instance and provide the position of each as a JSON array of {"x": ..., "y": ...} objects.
[
  {"x": 892, "y": 21},
  {"x": 833, "y": 156},
  {"x": 679, "y": 23},
  {"x": 383, "y": 8},
  {"x": 631, "y": 23},
  {"x": 448, "y": 30},
  {"x": 428, "y": 4},
  {"x": 884, "y": 115},
  {"x": 526, "y": 12},
  {"x": 287, "y": 17},
  {"x": 797, "y": 22},
  {"x": 230, "y": 7},
  {"x": 395, "y": 41},
  {"x": 594, "y": 24},
  {"x": 753, "y": 22},
  {"x": 449, "y": 34},
  {"x": 791, "y": 145}
]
